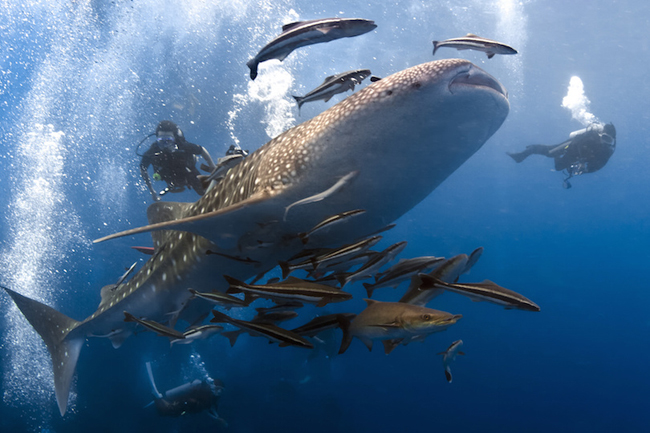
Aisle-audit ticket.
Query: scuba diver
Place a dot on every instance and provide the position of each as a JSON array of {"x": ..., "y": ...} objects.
[
  {"x": 174, "y": 161},
  {"x": 192, "y": 397},
  {"x": 586, "y": 151}
]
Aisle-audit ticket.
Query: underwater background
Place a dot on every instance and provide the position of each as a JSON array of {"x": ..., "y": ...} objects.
[{"x": 82, "y": 83}]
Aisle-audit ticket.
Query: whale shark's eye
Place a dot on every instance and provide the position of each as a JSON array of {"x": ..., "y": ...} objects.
[
  {"x": 388, "y": 92},
  {"x": 417, "y": 85}
]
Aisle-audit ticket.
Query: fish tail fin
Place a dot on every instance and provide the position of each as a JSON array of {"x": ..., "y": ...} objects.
[
  {"x": 369, "y": 288},
  {"x": 285, "y": 269},
  {"x": 342, "y": 278},
  {"x": 154, "y": 390},
  {"x": 435, "y": 47},
  {"x": 304, "y": 237},
  {"x": 345, "y": 342},
  {"x": 232, "y": 336},
  {"x": 344, "y": 324},
  {"x": 300, "y": 101},
  {"x": 448, "y": 374},
  {"x": 219, "y": 317},
  {"x": 252, "y": 64},
  {"x": 54, "y": 328}
]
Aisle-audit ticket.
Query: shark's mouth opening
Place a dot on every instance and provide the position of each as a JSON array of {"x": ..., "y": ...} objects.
[{"x": 476, "y": 77}]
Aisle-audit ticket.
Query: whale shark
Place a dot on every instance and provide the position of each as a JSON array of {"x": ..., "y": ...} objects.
[{"x": 383, "y": 149}]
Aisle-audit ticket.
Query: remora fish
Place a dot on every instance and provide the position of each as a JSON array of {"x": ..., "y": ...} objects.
[
  {"x": 268, "y": 330},
  {"x": 293, "y": 289},
  {"x": 449, "y": 271},
  {"x": 449, "y": 355},
  {"x": 323, "y": 323},
  {"x": 197, "y": 333},
  {"x": 477, "y": 43},
  {"x": 302, "y": 33},
  {"x": 376, "y": 262},
  {"x": 334, "y": 219},
  {"x": 396, "y": 323},
  {"x": 403, "y": 270},
  {"x": 222, "y": 299},
  {"x": 440, "y": 112},
  {"x": 334, "y": 85},
  {"x": 223, "y": 165},
  {"x": 158, "y": 328},
  {"x": 485, "y": 291}
]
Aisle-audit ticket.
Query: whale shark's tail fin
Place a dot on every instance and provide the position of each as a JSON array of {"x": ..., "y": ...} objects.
[{"x": 54, "y": 328}]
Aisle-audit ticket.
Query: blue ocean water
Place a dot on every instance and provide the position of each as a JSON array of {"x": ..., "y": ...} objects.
[{"x": 84, "y": 82}]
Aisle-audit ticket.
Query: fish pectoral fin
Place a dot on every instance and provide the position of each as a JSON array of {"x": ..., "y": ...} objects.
[
  {"x": 490, "y": 55},
  {"x": 119, "y": 337},
  {"x": 222, "y": 226},
  {"x": 367, "y": 341},
  {"x": 390, "y": 345}
]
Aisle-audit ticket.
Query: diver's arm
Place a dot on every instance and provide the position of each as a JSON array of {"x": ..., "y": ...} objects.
[
  {"x": 208, "y": 158},
  {"x": 145, "y": 175}
]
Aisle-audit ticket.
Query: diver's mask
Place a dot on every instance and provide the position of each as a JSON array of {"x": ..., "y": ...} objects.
[{"x": 166, "y": 141}]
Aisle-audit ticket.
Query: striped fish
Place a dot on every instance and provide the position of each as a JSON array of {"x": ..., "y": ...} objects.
[
  {"x": 303, "y": 33},
  {"x": 477, "y": 43},
  {"x": 267, "y": 330}
]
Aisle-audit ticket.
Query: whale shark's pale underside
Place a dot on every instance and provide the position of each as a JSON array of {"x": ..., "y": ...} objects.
[{"x": 383, "y": 150}]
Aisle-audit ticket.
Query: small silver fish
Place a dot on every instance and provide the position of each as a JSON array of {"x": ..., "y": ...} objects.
[
  {"x": 449, "y": 355},
  {"x": 334, "y": 85},
  {"x": 477, "y": 43},
  {"x": 328, "y": 222},
  {"x": 303, "y": 33},
  {"x": 158, "y": 328},
  {"x": 485, "y": 291}
]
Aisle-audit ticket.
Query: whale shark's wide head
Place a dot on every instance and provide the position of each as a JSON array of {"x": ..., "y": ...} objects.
[{"x": 391, "y": 143}]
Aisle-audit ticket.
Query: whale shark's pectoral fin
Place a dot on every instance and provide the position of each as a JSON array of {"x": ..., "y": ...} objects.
[{"x": 223, "y": 227}]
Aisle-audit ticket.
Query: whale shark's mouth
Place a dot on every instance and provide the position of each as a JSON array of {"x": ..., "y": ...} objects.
[{"x": 474, "y": 76}]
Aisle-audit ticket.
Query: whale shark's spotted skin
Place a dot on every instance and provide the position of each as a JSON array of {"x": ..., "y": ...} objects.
[{"x": 395, "y": 140}]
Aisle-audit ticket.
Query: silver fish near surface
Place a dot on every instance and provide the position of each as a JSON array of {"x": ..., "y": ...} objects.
[
  {"x": 333, "y": 85},
  {"x": 449, "y": 355},
  {"x": 440, "y": 113},
  {"x": 476, "y": 43},
  {"x": 303, "y": 33}
]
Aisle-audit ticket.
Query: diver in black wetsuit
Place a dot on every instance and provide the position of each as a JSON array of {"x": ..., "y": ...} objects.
[
  {"x": 586, "y": 151},
  {"x": 174, "y": 161}
]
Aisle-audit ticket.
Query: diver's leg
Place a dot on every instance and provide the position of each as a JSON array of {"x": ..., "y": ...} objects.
[
  {"x": 533, "y": 149},
  {"x": 194, "y": 182}
]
